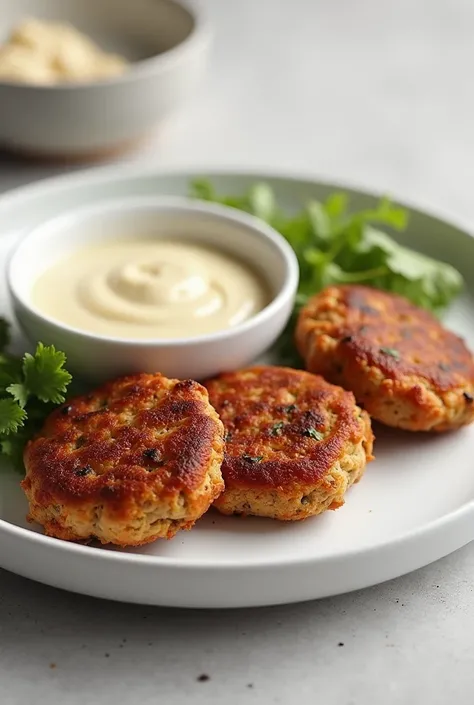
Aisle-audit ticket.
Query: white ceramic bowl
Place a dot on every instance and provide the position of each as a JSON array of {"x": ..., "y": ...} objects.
[
  {"x": 98, "y": 357},
  {"x": 166, "y": 40}
]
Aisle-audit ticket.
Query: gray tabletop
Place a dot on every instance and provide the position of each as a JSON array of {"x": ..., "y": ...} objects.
[{"x": 372, "y": 92}]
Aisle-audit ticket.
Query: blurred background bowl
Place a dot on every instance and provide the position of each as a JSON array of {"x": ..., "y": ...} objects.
[{"x": 166, "y": 41}]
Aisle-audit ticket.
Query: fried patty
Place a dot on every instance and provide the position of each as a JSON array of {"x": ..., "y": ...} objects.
[
  {"x": 136, "y": 460},
  {"x": 294, "y": 443},
  {"x": 404, "y": 368}
]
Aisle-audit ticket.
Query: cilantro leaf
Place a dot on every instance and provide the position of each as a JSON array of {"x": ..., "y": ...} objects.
[
  {"x": 313, "y": 433},
  {"x": 12, "y": 416},
  {"x": 10, "y": 371},
  {"x": 6, "y": 445},
  {"x": 276, "y": 429},
  {"x": 204, "y": 190},
  {"x": 320, "y": 219},
  {"x": 13, "y": 445},
  {"x": 45, "y": 376},
  {"x": 262, "y": 202},
  {"x": 4, "y": 334},
  {"x": 19, "y": 392},
  {"x": 336, "y": 205},
  {"x": 30, "y": 387},
  {"x": 393, "y": 352},
  {"x": 386, "y": 213},
  {"x": 336, "y": 246}
]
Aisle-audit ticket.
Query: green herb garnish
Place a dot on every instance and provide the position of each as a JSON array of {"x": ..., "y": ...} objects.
[
  {"x": 276, "y": 428},
  {"x": 4, "y": 334},
  {"x": 336, "y": 246},
  {"x": 391, "y": 351},
  {"x": 30, "y": 387},
  {"x": 152, "y": 454},
  {"x": 86, "y": 470},
  {"x": 313, "y": 433},
  {"x": 252, "y": 459}
]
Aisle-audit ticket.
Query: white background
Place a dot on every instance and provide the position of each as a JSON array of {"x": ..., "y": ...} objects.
[{"x": 374, "y": 92}]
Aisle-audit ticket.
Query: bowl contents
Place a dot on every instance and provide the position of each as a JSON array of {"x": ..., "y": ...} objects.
[
  {"x": 46, "y": 53},
  {"x": 150, "y": 289},
  {"x": 136, "y": 460},
  {"x": 403, "y": 366},
  {"x": 294, "y": 443}
]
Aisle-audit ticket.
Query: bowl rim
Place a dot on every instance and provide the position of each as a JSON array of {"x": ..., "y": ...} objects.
[
  {"x": 259, "y": 229},
  {"x": 197, "y": 40}
]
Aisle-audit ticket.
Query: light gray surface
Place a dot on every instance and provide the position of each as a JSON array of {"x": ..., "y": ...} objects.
[
  {"x": 408, "y": 642},
  {"x": 375, "y": 92}
]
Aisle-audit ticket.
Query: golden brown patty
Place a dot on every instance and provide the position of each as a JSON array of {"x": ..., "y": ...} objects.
[
  {"x": 136, "y": 460},
  {"x": 402, "y": 365},
  {"x": 294, "y": 443}
]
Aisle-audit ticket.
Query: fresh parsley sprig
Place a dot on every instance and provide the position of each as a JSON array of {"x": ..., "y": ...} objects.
[
  {"x": 336, "y": 246},
  {"x": 30, "y": 387}
]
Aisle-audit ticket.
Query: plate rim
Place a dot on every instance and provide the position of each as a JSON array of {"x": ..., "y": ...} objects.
[
  {"x": 120, "y": 172},
  {"x": 117, "y": 556},
  {"x": 117, "y": 172}
]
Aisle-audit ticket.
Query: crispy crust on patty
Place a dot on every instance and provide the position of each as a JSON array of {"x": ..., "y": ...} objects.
[
  {"x": 402, "y": 365},
  {"x": 294, "y": 443},
  {"x": 136, "y": 460}
]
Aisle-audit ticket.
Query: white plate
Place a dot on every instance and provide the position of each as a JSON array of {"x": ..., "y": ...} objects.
[{"x": 414, "y": 505}]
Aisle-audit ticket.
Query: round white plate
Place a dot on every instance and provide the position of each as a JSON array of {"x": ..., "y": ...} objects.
[{"x": 414, "y": 505}]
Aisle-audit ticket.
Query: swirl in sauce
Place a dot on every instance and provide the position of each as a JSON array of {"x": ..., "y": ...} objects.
[{"x": 150, "y": 289}]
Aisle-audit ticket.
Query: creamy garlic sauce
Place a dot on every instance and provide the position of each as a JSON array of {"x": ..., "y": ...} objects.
[{"x": 150, "y": 289}]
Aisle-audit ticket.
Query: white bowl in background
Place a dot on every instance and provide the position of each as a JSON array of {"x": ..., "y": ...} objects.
[
  {"x": 97, "y": 357},
  {"x": 167, "y": 42}
]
